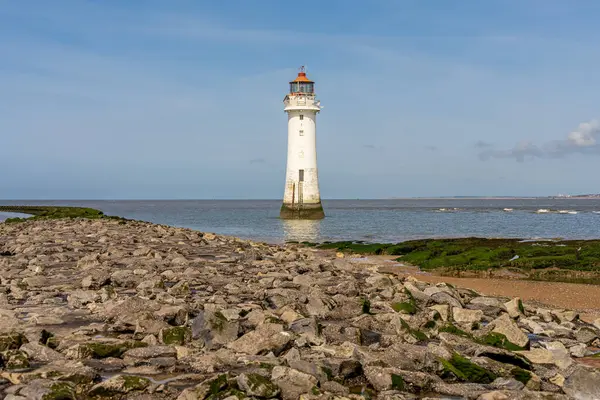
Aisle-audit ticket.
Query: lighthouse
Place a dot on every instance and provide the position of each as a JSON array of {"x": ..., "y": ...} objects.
[{"x": 302, "y": 199}]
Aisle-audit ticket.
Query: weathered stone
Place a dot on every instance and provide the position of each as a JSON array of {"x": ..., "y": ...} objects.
[
  {"x": 583, "y": 383},
  {"x": 257, "y": 385},
  {"x": 292, "y": 383},
  {"x": 514, "y": 308},
  {"x": 506, "y": 326},
  {"x": 120, "y": 384},
  {"x": 214, "y": 329},
  {"x": 465, "y": 316},
  {"x": 267, "y": 337}
]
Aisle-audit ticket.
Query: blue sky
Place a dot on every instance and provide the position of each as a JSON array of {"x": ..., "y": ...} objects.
[{"x": 119, "y": 99}]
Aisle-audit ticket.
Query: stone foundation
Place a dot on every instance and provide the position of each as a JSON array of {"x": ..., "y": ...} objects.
[{"x": 308, "y": 211}]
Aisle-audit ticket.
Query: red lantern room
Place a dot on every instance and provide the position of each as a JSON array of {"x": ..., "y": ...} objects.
[{"x": 302, "y": 85}]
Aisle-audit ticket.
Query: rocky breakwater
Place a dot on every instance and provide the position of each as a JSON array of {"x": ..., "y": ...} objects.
[{"x": 131, "y": 310}]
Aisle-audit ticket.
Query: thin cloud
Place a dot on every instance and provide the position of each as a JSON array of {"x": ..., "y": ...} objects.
[
  {"x": 258, "y": 161},
  {"x": 431, "y": 148},
  {"x": 480, "y": 144},
  {"x": 582, "y": 140}
]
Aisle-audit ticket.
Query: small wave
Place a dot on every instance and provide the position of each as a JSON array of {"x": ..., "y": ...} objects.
[
  {"x": 542, "y": 211},
  {"x": 507, "y": 209}
]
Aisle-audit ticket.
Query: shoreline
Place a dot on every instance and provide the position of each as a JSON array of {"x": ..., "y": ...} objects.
[{"x": 113, "y": 308}]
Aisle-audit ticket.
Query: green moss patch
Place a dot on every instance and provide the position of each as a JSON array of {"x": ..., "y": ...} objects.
[
  {"x": 521, "y": 375},
  {"x": 108, "y": 349},
  {"x": 397, "y": 382},
  {"x": 178, "y": 335},
  {"x": 483, "y": 254},
  {"x": 61, "y": 391},
  {"x": 499, "y": 340},
  {"x": 466, "y": 371},
  {"x": 51, "y": 212},
  {"x": 12, "y": 341},
  {"x": 405, "y": 308},
  {"x": 451, "y": 328}
]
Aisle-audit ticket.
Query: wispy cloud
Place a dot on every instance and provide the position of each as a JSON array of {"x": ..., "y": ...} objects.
[
  {"x": 258, "y": 161},
  {"x": 431, "y": 148},
  {"x": 582, "y": 140},
  {"x": 480, "y": 144}
]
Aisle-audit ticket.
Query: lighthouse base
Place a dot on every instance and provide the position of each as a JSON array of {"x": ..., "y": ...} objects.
[{"x": 307, "y": 211}]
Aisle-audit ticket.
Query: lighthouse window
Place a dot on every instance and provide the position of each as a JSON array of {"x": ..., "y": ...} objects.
[
  {"x": 301, "y": 117},
  {"x": 301, "y": 132},
  {"x": 301, "y": 175}
]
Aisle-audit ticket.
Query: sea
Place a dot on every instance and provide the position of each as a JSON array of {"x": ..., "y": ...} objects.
[{"x": 388, "y": 221}]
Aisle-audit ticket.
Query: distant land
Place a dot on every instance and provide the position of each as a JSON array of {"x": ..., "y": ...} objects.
[{"x": 558, "y": 196}]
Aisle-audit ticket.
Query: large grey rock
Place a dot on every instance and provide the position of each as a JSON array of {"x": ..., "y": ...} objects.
[
  {"x": 506, "y": 326},
  {"x": 292, "y": 383},
  {"x": 42, "y": 389},
  {"x": 583, "y": 384},
  {"x": 214, "y": 329},
  {"x": 466, "y": 316},
  {"x": 257, "y": 385},
  {"x": 267, "y": 337},
  {"x": 445, "y": 298}
]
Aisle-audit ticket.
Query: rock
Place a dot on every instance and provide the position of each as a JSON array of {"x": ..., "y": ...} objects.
[
  {"x": 565, "y": 316},
  {"x": 538, "y": 356},
  {"x": 267, "y": 337},
  {"x": 445, "y": 298},
  {"x": 144, "y": 353},
  {"x": 586, "y": 335},
  {"x": 495, "y": 395},
  {"x": 515, "y": 308},
  {"x": 488, "y": 301},
  {"x": 41, "y": 353},
  {"x": 506, "y": 326},
  {"x": 177, "y": 335},
  {"x": 507, "y": 384},
  {"x": 43, "y": 389},
  {"x": 560, "y": 354},
  {"x": 257, "y": 385},
  {"x": 292, "y": 383},
  {"x": 443, "y": 310},
  {"x": 11, "y": 341},
  {"x": 579, "y": 350},
  {"x": 532, "y": 326},
  {"x": 214, "y": 329},
  {"x": 465, "y": 316},
  {"x": 120, "y": 384},
  {"x": 583, "y": 384}
]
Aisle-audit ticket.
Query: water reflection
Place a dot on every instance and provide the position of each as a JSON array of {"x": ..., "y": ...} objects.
[{"x": 301, "y": 230}]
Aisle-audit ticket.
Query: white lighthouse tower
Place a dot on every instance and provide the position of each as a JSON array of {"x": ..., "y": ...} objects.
[{"x": 302, "y": 199}]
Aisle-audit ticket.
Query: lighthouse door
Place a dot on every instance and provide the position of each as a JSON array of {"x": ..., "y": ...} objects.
[{"x": 300, "y": 188}]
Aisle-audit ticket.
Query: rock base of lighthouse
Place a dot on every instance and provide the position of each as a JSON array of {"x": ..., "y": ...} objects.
[{"x": 307, "y": 211}]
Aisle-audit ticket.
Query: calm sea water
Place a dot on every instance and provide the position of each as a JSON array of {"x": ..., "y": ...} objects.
[{"x": 367, "y": 220}]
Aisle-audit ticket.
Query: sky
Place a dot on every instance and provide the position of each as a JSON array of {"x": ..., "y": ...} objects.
[{"x": 182, "y": 99}]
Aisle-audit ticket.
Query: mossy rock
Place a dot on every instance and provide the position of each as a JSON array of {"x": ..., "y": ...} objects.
[
  {"x": 521, "y": 375},
  {"x": 499, "y": 340},
  {"x": 365, "y": 306},
  {"x": 398, "y": 382},
  {"x": 258, "y": 386},
  {"x": 12, "y": 341},
  {"x": 466, "y": 371},
  {"x": 177, "y": 335},
  {"x": 405, "y": 307},
  {"x": 109, "y": 349},
  {"x": 451, "y": 328},
  {"x": 15, "y": 360},
  {"x": 120, "y": 384},
  {"x": 61, "y": 391},
  {"x": 417, "y": 334}
]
